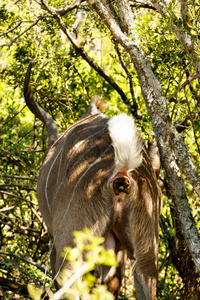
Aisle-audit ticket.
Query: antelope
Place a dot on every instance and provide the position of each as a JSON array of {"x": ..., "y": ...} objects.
[{"x": 99, "y": 175}]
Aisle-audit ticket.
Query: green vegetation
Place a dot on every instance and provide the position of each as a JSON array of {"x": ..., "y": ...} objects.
[
  {"x": 63, "y": 84},
  {"x": 84, "y": 258}
]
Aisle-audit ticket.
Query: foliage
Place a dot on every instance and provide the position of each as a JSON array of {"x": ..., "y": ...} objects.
[
  {"x": 63, "y": 84},
  {"x": 84, "y": 258}
]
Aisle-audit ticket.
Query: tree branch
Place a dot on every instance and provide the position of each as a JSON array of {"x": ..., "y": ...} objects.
[
  {"x": 170, "y": 143},
  {"x": 184, "y": 36},
  {"x": 133, "y": 107},
  {"x": 14, "y": 263},
  {"x": 7, "y": 121},
  {"x": 192, "y": 121},
  {"x": 188, "y": 81},
  {"x": 11, "y": 29},
  {"x": 68, "y": 8},
  {"x": 19, "y": 35},
  {"x": 5, "y": 253},
  {"x": 18, "y": 197},
  {"x": 126, "y": 16},
  {"x": 82, "y": 52},
  {"x": 18, "y": 177},
  {"x": 141, "y": 4}
]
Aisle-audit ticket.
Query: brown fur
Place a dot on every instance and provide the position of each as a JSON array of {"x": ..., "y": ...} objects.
[
  {"x": 74, "y": 192},
  {"x": 78, "y": 195}
]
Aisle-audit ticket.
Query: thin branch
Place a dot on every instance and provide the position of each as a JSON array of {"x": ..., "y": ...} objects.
[
  {"x": 18, "y": 177},
  {"x": 18, "y": 197},
  {"x": 182, "y": 86},
  {"x": 19, "y": 35},
  {"x": 189, "y": 80},
  {"x": 66, "y": 9},
  {"x": 13, "y": 262},
  {"x": 141, "y": 4},
  {"x": 14, "y": 219},
  {"x": 80, "y": 50},
  {"x": 7, "y": 208},
  {"x": 83, "y": 83},
  {"x": 192, "y": 121},
  {"x": 83, "y": 269},
  {"x": 21, "y": 186},
  {"x": 11, "y": 155},
  {"x": 7, "y": 121},
  {"x": 183, "y": 124},
  {"x": 26, "y": 260},
  {"x": 90, "y": 28},
  {"x": 12, "y": 29},
  {"x": 134, "y": 107}
]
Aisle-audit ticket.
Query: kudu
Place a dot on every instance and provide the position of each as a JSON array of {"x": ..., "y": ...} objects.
[{"x": 99, "y": 175}]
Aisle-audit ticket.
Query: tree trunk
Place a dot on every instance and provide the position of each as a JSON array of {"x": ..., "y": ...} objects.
[{"x": 170, "y": 143}]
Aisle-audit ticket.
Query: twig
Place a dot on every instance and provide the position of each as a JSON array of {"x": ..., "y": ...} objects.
[
  {"x": 86, "y": 267},
  {"x": 7, "y": 208},
  {"x": 83, "y": 83},
  {"x": 66, "y": 9},
  {"x": 12, "y": 29},
  {"x": 26, "y": 260},
  {"x": 192, "y": 121},
  {"x": 142, "y": 4},
  {"x": 20, "y": 269},
  {"x": 14, "y": 219},
  {"x": 183, "y": 124},
  {"x": 134, "y": 107},
  {"x": 19, "y": 197},
  {"x": 19, "y": 35},
  {"x": 188, "y": 81},
  {"x": 2, "y": 125},
  {"x": 22, "y": 186},
  {"x": 18, "y": 177},
  {"x": 90, "y": 28},
  {"x": 80, "y": 50}
]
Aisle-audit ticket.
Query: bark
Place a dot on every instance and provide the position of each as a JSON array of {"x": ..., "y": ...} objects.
[
  {"x": 126, "y": 16},
  {"x": 141, "y": 4},
  {"x": 184, "y": 10},
  {"x": 170, "y": 143}
]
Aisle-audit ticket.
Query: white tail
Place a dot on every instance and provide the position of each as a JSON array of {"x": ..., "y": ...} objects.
[{"x": 127, "y": 142}]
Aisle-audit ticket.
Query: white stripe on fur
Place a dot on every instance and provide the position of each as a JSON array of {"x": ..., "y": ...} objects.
[
  {"x": 127, "y": 142},
  {"x": 47, "y": 180}
]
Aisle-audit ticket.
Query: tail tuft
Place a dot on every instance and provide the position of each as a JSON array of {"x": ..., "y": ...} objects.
[{"x": 127, "y": 142}]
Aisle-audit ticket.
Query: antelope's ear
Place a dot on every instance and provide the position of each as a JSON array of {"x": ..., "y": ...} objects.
[
  {"x": 155, "y": 158},
  {"x": 97, "y": 106}
]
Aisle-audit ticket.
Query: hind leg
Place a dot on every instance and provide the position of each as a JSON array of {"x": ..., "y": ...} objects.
[
  {"x": 53, "y": 265},
  {"x": 145, "y": 276}
]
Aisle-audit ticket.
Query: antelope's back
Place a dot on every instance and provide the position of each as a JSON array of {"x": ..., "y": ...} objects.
[{"x": 73, "y": 181}]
